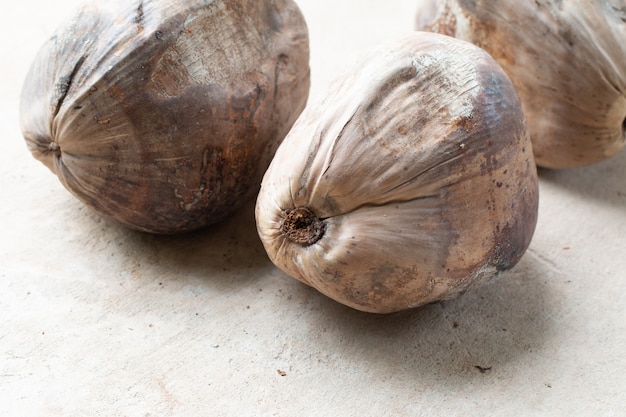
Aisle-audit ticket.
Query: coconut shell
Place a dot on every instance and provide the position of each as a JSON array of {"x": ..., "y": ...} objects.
[
  {"x": 411, "y": 181},
  {"x": 567, "y": 60},
  {"x": 163, "y": 115}
]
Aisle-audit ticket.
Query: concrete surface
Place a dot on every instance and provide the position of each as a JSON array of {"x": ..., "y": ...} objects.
[{"x": 100, "y": 321}]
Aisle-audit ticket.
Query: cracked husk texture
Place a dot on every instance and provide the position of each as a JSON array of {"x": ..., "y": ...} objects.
[
  {"x": 567, "y": 60},
  {"x": 163, "y": 115},
  {"x": 414, "y": 179}
]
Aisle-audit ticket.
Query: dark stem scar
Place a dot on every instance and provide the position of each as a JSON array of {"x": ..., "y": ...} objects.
[
  {"x": 54, "y": 148},
  {"x": 302, "y": 226}
]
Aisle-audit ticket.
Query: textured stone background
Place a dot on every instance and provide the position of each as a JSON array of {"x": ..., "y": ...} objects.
[{"x": 97, "y": 320}]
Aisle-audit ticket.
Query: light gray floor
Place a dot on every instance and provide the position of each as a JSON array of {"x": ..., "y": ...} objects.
[{"x": 100, "y": 321}]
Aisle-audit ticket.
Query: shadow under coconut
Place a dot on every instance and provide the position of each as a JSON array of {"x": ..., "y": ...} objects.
[
  {"x": 229, "y": 254},
  {"x": 604, "y": 181},
  {"x": 488, "y": 330}
]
